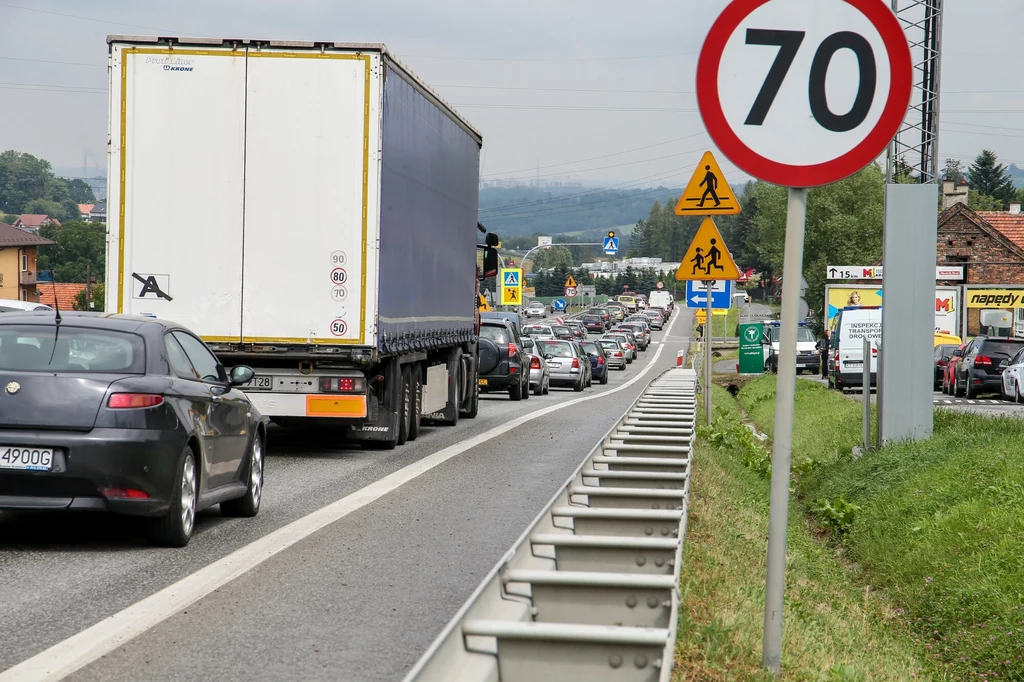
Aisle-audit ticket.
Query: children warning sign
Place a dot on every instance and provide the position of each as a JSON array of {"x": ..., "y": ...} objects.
[{"x": 708, "y": 257}]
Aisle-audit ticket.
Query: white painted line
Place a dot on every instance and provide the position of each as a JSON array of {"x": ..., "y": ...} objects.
[{"x": 90, "y": 644}]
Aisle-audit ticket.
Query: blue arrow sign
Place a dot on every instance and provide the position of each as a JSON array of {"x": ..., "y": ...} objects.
[
  {"x": 697, "y": 294},
  {"x": 611, "y": 245},
  {"x": 559, "y": 304}
]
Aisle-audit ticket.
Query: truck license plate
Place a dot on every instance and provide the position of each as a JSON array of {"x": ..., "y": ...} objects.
[
  {"x": 483, "y": 382},
  {"x": 260, "y": 383},
  {"x": 26, "y": 459}
]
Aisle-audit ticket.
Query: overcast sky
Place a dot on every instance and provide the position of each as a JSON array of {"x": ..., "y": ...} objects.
[{"x": 547, "y": 81}]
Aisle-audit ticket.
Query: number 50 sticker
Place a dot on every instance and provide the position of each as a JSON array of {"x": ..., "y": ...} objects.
[
  {"x": 802, "y": 93},
  {"x": 338, "y": 327}
]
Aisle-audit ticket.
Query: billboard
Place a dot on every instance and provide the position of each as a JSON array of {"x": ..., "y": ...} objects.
[{"x": 947, "y": 304}]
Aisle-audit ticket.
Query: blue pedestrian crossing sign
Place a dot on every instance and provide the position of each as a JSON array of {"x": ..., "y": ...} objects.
[
  {"x": 559, "y": 304},
  {"x": 611, "y": 245},
  {"x": 511, "y": 278}
]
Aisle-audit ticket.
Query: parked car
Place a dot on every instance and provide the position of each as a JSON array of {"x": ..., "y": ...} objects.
[
  {"x": 598, "y": 360},
  {"x": 128, "y": 415},
  {"x": 536, "y": 309},
  {"x": 504, "y": 362},
  {"x": 540, "y": 375},
  {"x": 950, "y": 370},
  {"x": 565, "y": 362},
  {"x": 594, "y": 323},
  {"x": 615, "y": 353},
  {"x": 979, "y": 369},
  {"x": 15, "y": 306},
  {"x": 538, "y": 331},
  {"x": 943, "y": 354},
  {"x": 562, "y": 332}
]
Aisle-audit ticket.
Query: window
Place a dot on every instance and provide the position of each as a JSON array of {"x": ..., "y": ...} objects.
[
  {"x": 24, "y": 262},
  {"x": 206, "y": 365},
  {"x": 495, "y": 333},
  {"x": 180, "y": 364},
  {"x": 36, "y": 348}
]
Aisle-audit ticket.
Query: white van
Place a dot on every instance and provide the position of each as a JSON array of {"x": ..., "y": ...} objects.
[
  {"x": 660, "y": 299},
  {"x": 846, "y": 347},
  {"x": 12, "y": 306}
]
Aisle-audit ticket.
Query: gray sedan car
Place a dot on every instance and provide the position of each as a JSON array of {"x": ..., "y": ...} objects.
[
  {"x": 615, "y": 352},
  {"x": 566, "y": 361},
  {"x": 124, "y": 414},
  {"x": 540, "y": 375}
]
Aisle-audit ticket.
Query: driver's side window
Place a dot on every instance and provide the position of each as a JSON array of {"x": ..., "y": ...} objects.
[{"x": 203, "y": 360}]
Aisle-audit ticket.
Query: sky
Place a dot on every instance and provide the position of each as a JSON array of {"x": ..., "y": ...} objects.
[{"x": 587, "y": 90}]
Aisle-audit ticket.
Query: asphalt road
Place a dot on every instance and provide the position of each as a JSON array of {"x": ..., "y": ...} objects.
[
  {"x": 359, "y": 599},
  {"x": 989, "y": 404}
]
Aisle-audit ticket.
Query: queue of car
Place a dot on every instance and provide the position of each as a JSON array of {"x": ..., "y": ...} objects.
[{"x": 136, "y": 416}]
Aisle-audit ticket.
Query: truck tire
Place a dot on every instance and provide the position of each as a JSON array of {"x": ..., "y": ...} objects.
[
  {"x": 474, "y": 406},
  {"x": 404, "y": 405},
  {"x": 416, "y": 382},
  {"x": 456, "y": 381}
]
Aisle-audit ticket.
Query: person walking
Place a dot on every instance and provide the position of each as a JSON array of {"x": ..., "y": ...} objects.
[{"x": 822, "y": 346}]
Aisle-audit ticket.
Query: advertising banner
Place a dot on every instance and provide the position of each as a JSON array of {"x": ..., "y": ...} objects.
[{"x": 947, "y": 303}]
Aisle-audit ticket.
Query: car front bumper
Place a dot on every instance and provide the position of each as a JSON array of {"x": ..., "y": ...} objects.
[{"x": 84, "y": 463}]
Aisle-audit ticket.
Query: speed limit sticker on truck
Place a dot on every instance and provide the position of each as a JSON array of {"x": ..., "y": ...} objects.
[{"x": 338, "y": 327}]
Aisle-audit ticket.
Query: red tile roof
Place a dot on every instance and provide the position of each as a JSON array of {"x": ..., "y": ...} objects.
[
  {"x": 36, "y": 219},
  {"x": 1011, "y": 225},
  {"x": 66, "y": 293},
  {"x": 84, "y": 209},
  {"x": 12, "y": 236}
]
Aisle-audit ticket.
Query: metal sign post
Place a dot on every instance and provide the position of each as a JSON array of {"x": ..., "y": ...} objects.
[
  {"x": 707, "y": 356},
  {"x": 866, "y": 378}
]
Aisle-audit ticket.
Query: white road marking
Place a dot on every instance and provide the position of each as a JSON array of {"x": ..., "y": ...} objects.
[{"x": 94, "y": 642}]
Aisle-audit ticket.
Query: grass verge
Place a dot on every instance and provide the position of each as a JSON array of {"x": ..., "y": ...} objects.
[
  {"x": 938, "y": 523},
  {"x": 833, "y": 630}
]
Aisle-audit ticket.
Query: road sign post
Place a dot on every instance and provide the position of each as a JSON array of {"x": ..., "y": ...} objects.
[
  {"x": 780, "y": 127},
  {"x": 708, "y": 338}
]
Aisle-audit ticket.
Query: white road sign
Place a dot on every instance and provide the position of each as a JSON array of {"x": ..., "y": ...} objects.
[
  {"x": 950, "y": 272},
  {"x": 802, "y": 93}
]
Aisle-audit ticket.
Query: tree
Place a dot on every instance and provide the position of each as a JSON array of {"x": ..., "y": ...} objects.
[
  {"x": 97, "y": 299},
  {"x": 76, "y": 245},
  {"x": 81, "y": 192},
  {"x": 24, "y": 178},
  {"x": 903, "y": 173},
  {"x": 983, "y": 202},
  {"x": 953, "y": 170},
  {"x": 45, "y": 207},
  {"x": 988, "y": 177}
]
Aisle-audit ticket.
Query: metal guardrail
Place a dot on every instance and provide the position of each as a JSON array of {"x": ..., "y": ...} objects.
[{"x": 591, "y": 590}]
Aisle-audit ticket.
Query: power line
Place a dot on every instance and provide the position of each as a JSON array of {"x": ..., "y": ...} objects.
[
  {"x": 614, "y": 165},
  {"x": 51, "y": 61},
  {"x": 55, "y": 85},
  {"x": 600, "y": 90},
  {"x": 97, "y": 21},
  {"x": 551, "y": 59},
  {"x": 552, "y": 107},
  {"x": 64, "y": 90}
]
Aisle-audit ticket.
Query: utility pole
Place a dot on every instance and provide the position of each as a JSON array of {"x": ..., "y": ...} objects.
[{"x": 88, "y": 286}]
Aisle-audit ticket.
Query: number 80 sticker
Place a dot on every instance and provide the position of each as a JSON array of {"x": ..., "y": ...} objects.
[{"x": 802, "y": 93}]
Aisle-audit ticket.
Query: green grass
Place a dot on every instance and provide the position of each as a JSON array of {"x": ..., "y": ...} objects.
[
  {"x": 724, "y": 326},
  {"x": 833, "y": 630},
  {"x": 940, "y": 524}
]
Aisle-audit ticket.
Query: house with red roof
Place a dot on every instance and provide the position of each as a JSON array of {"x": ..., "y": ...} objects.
[
  {"x": 18, "y": 263},
  {"x": 61, "y": 294},
  {"x": 33, "y": 221}
]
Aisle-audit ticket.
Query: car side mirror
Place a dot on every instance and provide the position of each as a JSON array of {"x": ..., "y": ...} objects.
[
  {"x": 945, "y": 358},
  {"x": 241, "y": 375},
  {"x": 958, "y": 353}
]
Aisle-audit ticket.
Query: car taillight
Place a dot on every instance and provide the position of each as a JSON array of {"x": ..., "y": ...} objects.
[
  {"x": 983, "y": 361},
  {"x": 836, "y": 358},
  {"x": 534, "y": 363},
  {"x": 575, "y": 363},
  {"x": 125, "y": 401},
  {"x": 124, "y": 493},
  {"x": 618, "y": 353},
  {"x": 513, "y": 350},
  {"x": 600, "y": 361},
  {"x": 342, "y": 384}
]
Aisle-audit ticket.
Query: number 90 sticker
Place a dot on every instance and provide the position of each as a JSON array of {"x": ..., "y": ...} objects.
[
  {"x": 801, "y": 93},
  {"x": 338, "y": 327},
  {"x": 338, "y": 258}
]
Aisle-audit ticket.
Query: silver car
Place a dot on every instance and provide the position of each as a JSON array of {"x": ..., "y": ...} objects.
[
  {"x": 538, "y": 331},
  {"x": 628, "y": 345},
  {"x": 616, "y": 353},
  {"x": 540, "y": 373},
  {"x": 536, "y": 309},
  {"x": 565, "y": 362}
]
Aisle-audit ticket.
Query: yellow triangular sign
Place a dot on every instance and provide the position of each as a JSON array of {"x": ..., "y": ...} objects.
[
  {"x": 570, "y": 282},
  {"x": 708, "y": 257},
  {"x": 708, "y": 192}
]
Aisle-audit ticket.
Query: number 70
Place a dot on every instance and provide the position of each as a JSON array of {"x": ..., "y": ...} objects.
[{"x": 789, "y": 43}]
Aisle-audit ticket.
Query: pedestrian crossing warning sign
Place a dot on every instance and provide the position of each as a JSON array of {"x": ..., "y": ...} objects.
[
  {"x": 708, "y": 192},
  {"x": 570, "y": 282},
  {"x": 510, "y": 296},
  {"x": 511, "y": 278},
  {"x": 708, "y": 257}
]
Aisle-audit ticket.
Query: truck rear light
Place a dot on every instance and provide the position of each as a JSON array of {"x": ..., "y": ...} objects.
[
  {"x": 126, "y": 401},
  {"x": 534, "y": 363},
  {"x": 342, "y": 384}
]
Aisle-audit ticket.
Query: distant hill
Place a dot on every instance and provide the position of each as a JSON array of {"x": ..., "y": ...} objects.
[
  {"x": 1017, "y": 174},
  {"x": 514, "y": 211}
]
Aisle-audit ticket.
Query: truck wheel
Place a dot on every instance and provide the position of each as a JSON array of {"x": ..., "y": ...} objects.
[
  {"x": 474, "y": 407},
  {"x": 404, "y": 406},
  {"x": 416, "y": 382}
]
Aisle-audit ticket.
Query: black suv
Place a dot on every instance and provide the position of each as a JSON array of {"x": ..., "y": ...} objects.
[
  {"x": 594, "y": 323},
  {"x": 504, "y": 363},
  {"x": 981, "y": 368}
]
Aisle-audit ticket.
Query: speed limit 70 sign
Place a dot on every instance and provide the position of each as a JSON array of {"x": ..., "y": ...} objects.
[{"x": 802, "y": 93}]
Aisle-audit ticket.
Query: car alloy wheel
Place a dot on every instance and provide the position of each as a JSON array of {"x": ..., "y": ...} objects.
[
  {"x": 256, "y": 471},
  {"x": 188, "y": 495}
]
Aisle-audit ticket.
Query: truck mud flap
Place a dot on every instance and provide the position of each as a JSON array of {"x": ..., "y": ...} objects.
[{"x": 381, "y": 424}]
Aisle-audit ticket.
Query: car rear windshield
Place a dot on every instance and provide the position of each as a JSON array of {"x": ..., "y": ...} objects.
[
  {"x": 40, "y": 348},
  {"x": 591, "y": 347},
  {"x": 494, "y": 333},
  {"x": 561, "y": 330},
  {"x": 945, "y": 349},
  {"x": 592, "y": 319},
  {"x": 992, "y": 347},
  {"x": 610, "y": 345},
  {"x": 554, "y": 348}
]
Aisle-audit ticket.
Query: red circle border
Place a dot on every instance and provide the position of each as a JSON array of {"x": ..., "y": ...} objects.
[{"x": 787, "y": 175}]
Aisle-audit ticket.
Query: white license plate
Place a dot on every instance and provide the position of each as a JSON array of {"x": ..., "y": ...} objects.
[
  {"x": 26, "y": 459},
  {"x": 854, "y": 363},
  {"x": 260, "y": 383}
]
